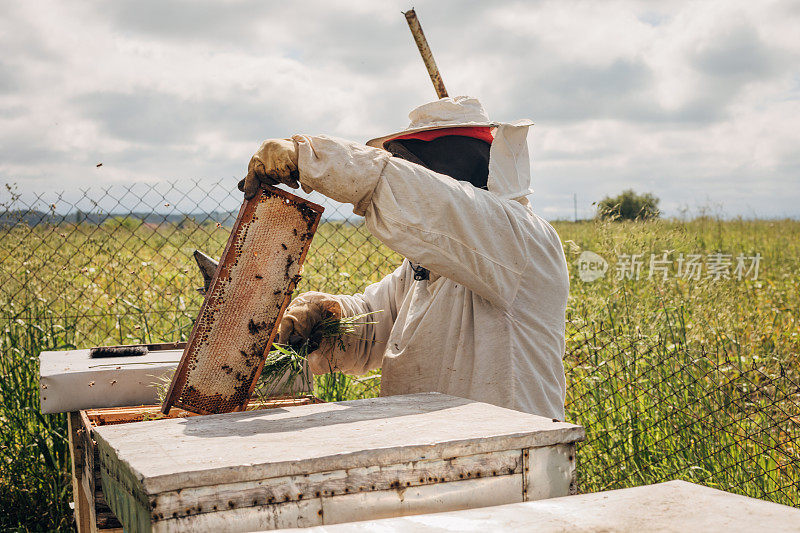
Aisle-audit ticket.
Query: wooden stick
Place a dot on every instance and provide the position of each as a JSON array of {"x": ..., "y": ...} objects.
[{"x": 425, "y": 52}]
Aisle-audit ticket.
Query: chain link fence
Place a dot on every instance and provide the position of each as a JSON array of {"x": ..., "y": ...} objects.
[
  {"x": 114, "y": 266},
  {"x": 657, "y": 409}
]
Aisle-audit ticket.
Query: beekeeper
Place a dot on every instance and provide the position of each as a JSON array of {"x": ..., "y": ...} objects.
[{"x": 477, "y": 307}]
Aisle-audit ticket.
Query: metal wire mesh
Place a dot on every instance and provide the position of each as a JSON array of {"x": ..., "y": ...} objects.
[
  {"x": 657, "y": 411},
  {"x": 114, "y": 266}
]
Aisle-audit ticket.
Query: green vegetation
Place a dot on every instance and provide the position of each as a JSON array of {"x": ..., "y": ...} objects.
[
  {"x": 120, "y": 282},
  {"x": 629, "y": 205},
  {"x": 286, "y": 365},
  {"x": 696, "y": 379},
  {"x": 673, "y": 378}
]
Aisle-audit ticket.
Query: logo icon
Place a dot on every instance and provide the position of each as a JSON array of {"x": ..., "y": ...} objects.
[{"x": 591, "y": 266}]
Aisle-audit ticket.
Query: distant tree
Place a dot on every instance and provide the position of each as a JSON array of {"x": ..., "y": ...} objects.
[
  {"x": 629, "y": 206},
  {"x": 128, "y": 222}
]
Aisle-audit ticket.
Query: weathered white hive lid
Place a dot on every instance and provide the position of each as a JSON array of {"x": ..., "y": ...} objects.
[{"x": 174, "y": 454}]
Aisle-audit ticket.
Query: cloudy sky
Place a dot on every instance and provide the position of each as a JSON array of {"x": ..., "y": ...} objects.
[{"x": 697, "y": 102}]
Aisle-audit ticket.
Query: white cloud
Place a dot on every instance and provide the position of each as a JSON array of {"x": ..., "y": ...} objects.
[{"x": 687, "y": 100}]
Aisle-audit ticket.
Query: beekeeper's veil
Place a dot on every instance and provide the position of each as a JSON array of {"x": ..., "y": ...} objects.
[{"x": 509, "y": 163}]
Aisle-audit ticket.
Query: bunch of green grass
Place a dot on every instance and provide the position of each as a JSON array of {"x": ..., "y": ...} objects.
[{"x": 286, "y": 366}]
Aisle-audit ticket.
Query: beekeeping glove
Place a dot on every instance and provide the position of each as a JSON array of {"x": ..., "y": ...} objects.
[
  {"x": 275, "y": 162},
  {"x": 302, "y": 321}
]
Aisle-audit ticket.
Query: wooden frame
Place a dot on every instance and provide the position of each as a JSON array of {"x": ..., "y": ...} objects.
[{"x": 238, "y": 272}]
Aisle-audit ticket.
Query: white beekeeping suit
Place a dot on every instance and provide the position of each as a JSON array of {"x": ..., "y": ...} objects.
[{"x": 489, "y": 322}]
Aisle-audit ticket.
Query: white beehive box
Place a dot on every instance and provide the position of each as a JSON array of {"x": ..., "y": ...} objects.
[
  {"x": 71, "y": 380},
  {"x": 331, "y": 463}
]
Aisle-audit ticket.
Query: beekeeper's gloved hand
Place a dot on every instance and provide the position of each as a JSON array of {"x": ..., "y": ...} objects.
[
  {"x": 302, "y": 321},
  {"x": 275, "y": 162}
]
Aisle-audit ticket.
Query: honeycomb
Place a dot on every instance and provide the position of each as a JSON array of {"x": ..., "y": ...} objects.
[{"x": 242, "y": 310}]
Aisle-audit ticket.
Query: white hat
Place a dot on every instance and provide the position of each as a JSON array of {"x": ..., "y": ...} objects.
[
  {"x": 509, "y": 165},
  {"x": 451, "y": 112}
]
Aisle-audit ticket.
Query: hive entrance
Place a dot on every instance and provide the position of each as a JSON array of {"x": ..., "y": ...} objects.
[{"x": 240, "y": 315}]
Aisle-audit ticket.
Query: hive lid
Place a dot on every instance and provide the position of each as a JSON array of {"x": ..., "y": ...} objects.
[{"x": 173, "y": 454}]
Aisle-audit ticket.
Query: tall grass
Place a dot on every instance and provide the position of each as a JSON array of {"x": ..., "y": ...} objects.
[
  {"x": 690, "y": 379},
  {"x": 34, "y": 456},
  {"x": 672, "y": 379}
]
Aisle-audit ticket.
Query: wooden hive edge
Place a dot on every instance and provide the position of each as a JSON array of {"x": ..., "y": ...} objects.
[{"x": 187, "y": 502}]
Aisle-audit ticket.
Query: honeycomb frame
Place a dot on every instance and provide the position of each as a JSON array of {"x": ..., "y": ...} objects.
[{"x": 239, "y": 318}]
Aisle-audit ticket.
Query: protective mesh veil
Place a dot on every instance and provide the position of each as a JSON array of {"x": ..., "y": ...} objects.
[{"x": 461, "y": 158}]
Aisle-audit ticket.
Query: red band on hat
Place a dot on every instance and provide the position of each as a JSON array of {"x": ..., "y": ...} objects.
[{"x": 483, "y": 133}]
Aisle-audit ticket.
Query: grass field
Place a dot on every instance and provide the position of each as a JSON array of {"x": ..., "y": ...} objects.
[{"x": 673, "y": 378}]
